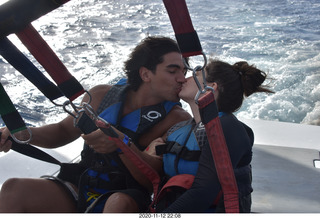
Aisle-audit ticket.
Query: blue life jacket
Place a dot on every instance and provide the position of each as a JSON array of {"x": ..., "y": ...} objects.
[
  {"x": 137, "y": 122},
  {"x": 182, "y": 152},
  {"x": 106, "y": 172},
  {"x": 181, "y": 155}
]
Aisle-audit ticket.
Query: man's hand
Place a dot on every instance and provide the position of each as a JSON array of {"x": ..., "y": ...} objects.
[
  {"x": 5, "y": 144},
  {"x": 100, "y": 142}
]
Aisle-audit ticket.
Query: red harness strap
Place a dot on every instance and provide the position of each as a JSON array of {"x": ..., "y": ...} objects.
[
  {"x": 210, "y": 119},
  {"x": 143, "y": 166},
  {"x": 178, "y": 181},
  {"x": 181, "y": 22},
  {"x": 189, "y": 44},
  {"x": 69, "y": 86}
]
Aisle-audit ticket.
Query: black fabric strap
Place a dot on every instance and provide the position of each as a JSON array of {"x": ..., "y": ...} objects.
[
  {"x": 186, "y": 36},
  {"x": 16, "y": 14},
  {"x": 181, "y": 151},
  {"x": 31, "y": 151}
]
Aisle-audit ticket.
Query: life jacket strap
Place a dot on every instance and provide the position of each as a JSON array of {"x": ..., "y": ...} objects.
[{"x": 179, "y": 150}]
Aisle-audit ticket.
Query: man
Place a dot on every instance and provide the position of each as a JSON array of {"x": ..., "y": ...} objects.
[{"x": 155, "y": 74}]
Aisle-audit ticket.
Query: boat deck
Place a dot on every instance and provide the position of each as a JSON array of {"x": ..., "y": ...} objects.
[{"x": 285, "y": 179}]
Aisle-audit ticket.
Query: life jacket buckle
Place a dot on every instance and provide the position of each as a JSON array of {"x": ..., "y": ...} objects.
[{"x": 175, "y": 148}]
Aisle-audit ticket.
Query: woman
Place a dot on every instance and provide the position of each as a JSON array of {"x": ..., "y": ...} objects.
[{"x": 186, "y": 149}]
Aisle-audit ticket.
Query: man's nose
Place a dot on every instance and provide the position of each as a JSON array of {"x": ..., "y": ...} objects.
[{"x": 181, "y": 78}]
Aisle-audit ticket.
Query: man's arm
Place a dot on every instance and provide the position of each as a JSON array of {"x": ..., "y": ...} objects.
[
  {"x": 57, "y": 134},
  {"x": 47, "y": 136}
]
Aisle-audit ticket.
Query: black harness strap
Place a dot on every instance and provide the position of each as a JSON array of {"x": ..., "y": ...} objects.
[
  {"x": 31, "y": 151},
  {"x": 21, "y": 63},
  {"x": 186, "y": 36},
  {"x": 17, "y": 14},
  {"x": 180, "y": 150}
]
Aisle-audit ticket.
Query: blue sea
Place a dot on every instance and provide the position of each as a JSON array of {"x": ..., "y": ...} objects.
[{"x": 94, "y": 37}]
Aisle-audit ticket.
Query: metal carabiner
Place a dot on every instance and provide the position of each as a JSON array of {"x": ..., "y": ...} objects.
[
  {"x": 202, "y": 67},
  {"x": 77, "y": 109},
  {"x": 194, "y": 74},
  {"x": 99, "y": 122},
  {"x": 200, "y": 89},
  {"x": 20, "y": 141},
  {"x": 62, "y": 105},
  {"x": 87, "y": 108}
]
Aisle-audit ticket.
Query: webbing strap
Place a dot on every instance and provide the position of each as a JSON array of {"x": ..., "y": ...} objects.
[
  {"x": 142, "y": 165},
  {"x": 87, "y": 125},
  {"x": 183, "y": 181},
  {"x": 210, "y": 119},
  {"x": 189, "y": 44},
  {"x": 38, "y": 47},
  {"x": 16, "y": 14},
  {"x": 21, "y": 63},
  {"x": 9, "y": 114},
  {"x": 186, "y": 36},
  {"x": 31, "y": 151}
]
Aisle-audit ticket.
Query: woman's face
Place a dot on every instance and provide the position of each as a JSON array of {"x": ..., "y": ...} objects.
[{"x": 190, "y": 88}]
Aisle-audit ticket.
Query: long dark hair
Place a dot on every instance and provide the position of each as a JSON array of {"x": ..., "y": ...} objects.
[{"x": 235, "y": 82}]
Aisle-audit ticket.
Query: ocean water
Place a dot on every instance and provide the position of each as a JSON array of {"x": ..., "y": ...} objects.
[{"x": 94, "y": 37}]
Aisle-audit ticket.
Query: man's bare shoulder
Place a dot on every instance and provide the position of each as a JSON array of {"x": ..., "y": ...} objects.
[
  {"x": 100, "y": 89},
  {"x": 178, "y": 114},
  {"x": 97, "y": 93}
]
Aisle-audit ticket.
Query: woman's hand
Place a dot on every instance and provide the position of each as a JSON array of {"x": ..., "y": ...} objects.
[{"x": 151, "y": 149}]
